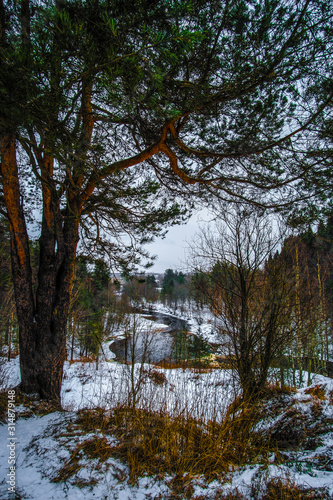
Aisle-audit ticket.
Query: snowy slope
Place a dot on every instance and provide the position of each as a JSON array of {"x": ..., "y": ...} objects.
[{"x": 45, "y": 443}]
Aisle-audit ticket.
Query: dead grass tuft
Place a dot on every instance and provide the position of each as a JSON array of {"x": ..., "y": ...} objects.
[
  {"x": 84, "y": 483},
  {"x": 317, "y": 391},
  {"x": 96, "y": 448},
  {"x": 235, "y": 495},
  {"x": 91, "y": 420},
  {"x": 3, "y": 405},
  {"x": 158, "y": 378},
  {"x": 70, "y": 467},
  {"x": 316, "y": 409},
  {"x": 278, "y": 489},
  {"x": 181, "y": 486}
]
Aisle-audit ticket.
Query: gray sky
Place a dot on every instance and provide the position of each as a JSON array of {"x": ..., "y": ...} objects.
[{"x": 171, "y": 250}]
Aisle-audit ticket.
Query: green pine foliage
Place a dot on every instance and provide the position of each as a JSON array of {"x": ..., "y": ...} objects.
[
  {"x": 174, "y": 288},
  {"x": 95, "y": 310}
]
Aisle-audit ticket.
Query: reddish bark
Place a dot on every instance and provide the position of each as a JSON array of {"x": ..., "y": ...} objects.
[
  {"x": 20, "y": 257},
  {"x": 42, "y": 319}
]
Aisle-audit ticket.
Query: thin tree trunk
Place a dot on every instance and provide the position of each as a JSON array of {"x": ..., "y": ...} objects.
[
  {"x": 298, "y": 318},
  {"x": 309, "y": 371},
  {"x": 73, "y": 337},
  {"x": 282, "y": 383},
  {"x": 10, "y": 336},
  {"x": 293, "y": 370}
]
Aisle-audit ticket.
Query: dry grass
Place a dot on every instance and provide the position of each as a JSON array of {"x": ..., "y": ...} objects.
[
  {"x": 70, "y": 467},
  {"x": 235, "y": 495},
  {"x": 181, "y": 486},
  {"x": 183, "y": 448},
  {"x": 316, "y": 409},
  {"x": 92, "y": 420},
  {"x": 35, "y": 405},
  {"x": 278, "y": 489},
  {"x": 317, "y": 391},
  {"x": 82, "y": 359},
  {"x": 95, "y": 448},
  {"x": 156, "y": 444},
  {"x": 3, "y": 406}
]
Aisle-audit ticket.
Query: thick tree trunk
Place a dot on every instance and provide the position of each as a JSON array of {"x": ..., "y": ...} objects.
[
  {"x": 48, "y": 330},
  {"x": 53, "y": 299},
  {"x": 20, "y": 257},
  {"x": 42, "y": 319}
]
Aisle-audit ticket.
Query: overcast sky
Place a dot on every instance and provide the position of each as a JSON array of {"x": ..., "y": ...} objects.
[{"x": 171, "y": 250}]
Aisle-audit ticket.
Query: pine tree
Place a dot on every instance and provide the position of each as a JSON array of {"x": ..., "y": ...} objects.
[{"x": 106, "y": 105}]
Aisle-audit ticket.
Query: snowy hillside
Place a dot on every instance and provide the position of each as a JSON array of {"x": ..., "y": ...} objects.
[{"x": 74, "y": 454}]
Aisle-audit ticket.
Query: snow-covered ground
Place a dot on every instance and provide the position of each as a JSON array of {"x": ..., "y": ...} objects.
[
  {"x": 179, "y": 392},
  {"x": 45, "y": 443}
]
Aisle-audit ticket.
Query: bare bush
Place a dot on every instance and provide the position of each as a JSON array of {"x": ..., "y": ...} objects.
[{"x": 248, "y": 290}]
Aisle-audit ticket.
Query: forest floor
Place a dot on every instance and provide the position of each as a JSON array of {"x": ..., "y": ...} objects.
[{"x": 174, "y": 444}]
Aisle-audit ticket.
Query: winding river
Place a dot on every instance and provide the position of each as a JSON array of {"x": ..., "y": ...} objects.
[{"x": 150, "y": 345}]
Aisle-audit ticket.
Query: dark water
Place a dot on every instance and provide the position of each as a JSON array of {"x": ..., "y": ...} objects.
[{"x": 151, "y": 347}]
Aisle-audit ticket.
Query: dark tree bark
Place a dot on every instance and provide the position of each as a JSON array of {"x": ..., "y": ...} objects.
[
  {"x": 42, "y": 319},
  {"x": 20, "y": 257}
]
